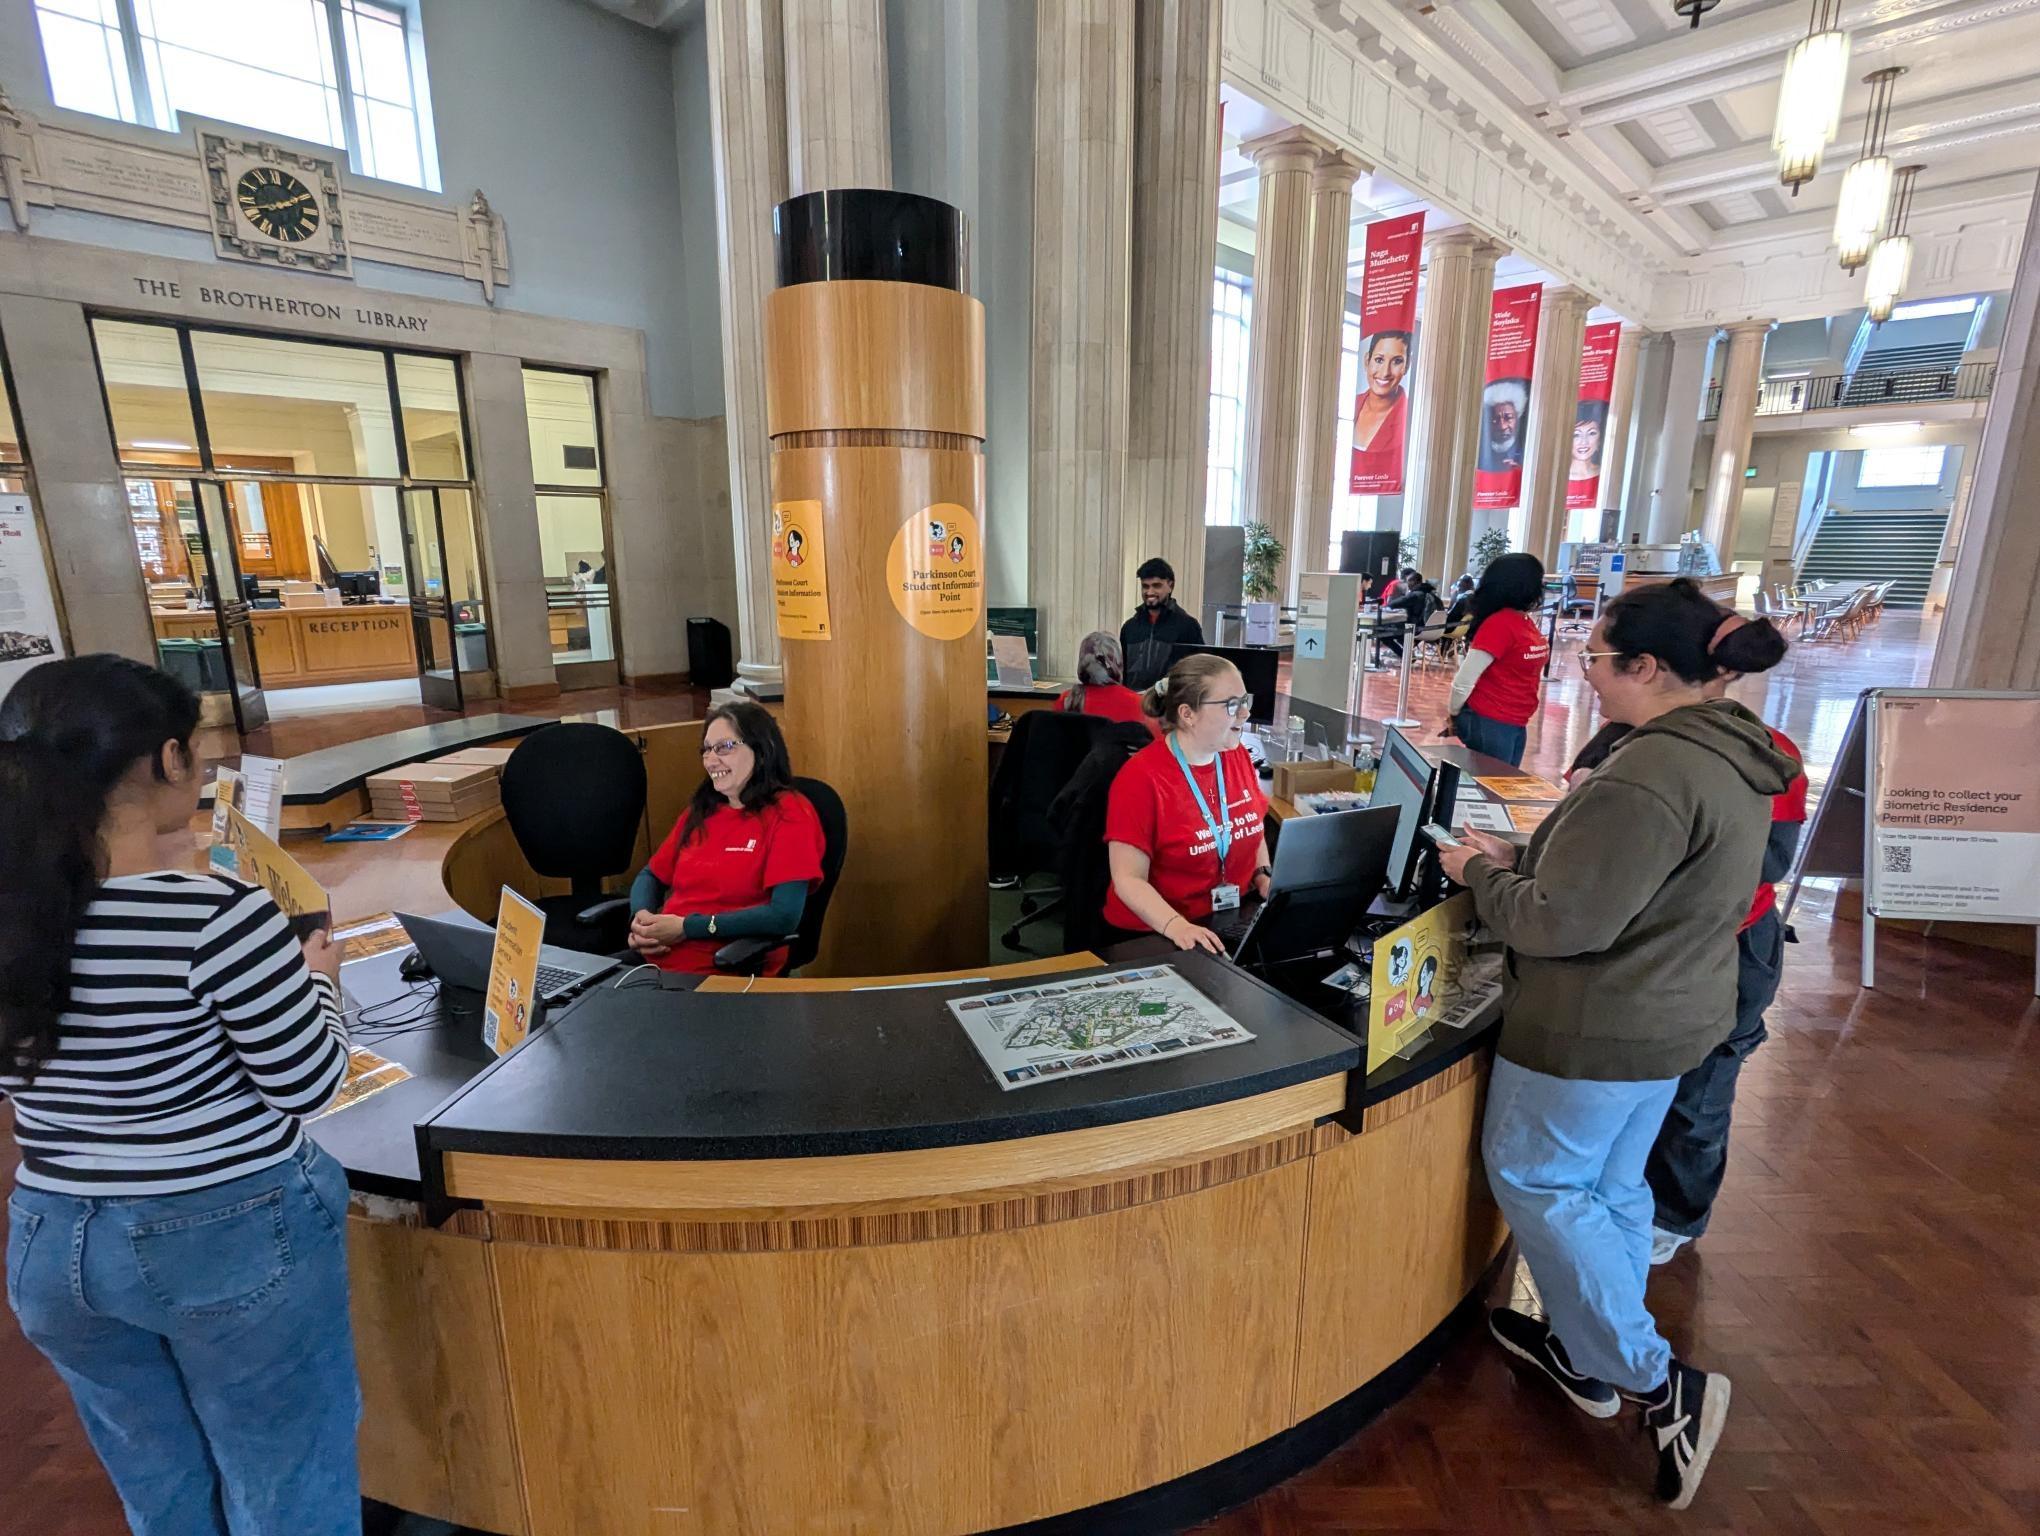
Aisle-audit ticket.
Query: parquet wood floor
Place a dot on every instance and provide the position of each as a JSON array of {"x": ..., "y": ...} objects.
[{"x": 1871, "y": 1281}]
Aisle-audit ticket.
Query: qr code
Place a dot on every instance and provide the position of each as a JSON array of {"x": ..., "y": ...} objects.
[{"x": 1898, "y": 858}]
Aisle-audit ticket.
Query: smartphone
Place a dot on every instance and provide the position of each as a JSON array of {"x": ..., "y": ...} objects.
[{"x": 1440, "y": 835}]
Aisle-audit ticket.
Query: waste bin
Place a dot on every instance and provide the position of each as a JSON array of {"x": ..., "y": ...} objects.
[{"x": 708, "y": 654}]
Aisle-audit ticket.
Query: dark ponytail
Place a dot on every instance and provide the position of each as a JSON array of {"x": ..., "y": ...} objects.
[
  {"x": 70, "y": 731},
  {"x": 1688, "y": 632},
  {"x": 1509, "y": 581}
]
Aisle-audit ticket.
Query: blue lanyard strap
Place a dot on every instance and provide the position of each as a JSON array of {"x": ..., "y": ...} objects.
[{"x": 1221, "y": 825}]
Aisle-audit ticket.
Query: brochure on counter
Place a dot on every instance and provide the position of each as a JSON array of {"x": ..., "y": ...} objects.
[{"x": 1064, "y": 1029}]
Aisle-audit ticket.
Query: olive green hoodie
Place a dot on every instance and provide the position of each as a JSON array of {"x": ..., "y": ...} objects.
[{"x": 1621, "y": 914}]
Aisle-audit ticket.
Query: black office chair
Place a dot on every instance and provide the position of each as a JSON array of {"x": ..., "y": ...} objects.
[
  {"x": 1044, "y": 754},
  {"x": 574, "y": 795},
  {"x": 1083, "y": 862},
  {"x": 750, "y": 957}
]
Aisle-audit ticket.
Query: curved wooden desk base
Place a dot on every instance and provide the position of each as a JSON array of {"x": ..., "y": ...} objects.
[{"x": 1154, "y": 1339}]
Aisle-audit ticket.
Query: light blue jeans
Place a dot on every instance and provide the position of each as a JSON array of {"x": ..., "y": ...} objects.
[
  {"x": 206, "y": 1342},
  {"x": 1565, "y": 1159}
]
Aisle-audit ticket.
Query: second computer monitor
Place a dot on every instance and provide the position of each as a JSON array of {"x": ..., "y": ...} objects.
[
  {"x": 1256, "y": 664},
  {"x": 1412, "y": 783}
]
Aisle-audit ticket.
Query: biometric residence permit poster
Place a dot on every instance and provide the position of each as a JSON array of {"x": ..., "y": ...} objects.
[
  {"x": 28, "y": 613},
  {"x": 1505, "y": 397},
  {"x": 1063, "y": 1029},
  {"x": 508, "y": 1004},
  {"x": 1590, "y": 416},
  {"x": 800, "y": 571},
  {"x": 1956, "y": 833},
  {"x": 1388, "y": 328}
]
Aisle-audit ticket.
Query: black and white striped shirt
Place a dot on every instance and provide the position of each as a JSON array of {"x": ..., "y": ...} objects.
[{"x": 195, "y": 1037}]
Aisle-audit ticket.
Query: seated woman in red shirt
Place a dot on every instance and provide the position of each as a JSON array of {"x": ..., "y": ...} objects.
[
  {"x": 1100, "y": 667},
  {"x": 1500, "y": 682},
  {"x": 1183, "y": 819},
  {"x": 741, "y": 861}
]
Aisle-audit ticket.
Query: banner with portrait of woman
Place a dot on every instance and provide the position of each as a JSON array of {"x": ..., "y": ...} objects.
[
  {"x": 1505, "y": 397},
  {"x": 1590, "y": 416},
  {"x": 1388, "y": 328}
]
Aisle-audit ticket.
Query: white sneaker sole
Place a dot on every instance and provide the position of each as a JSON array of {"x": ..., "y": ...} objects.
[
  {"x": 1713, "y": 1415},
  {"x": 1586, "y": 1405}
]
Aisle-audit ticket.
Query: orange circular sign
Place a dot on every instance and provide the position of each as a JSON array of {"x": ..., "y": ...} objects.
[{"x": 935, "y": 571}]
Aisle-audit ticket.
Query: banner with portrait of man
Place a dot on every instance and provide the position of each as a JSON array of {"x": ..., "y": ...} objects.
[{"x": 1505, "y": 397}]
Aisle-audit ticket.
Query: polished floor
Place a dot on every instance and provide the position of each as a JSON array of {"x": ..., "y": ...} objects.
[{"x": 1871, "y": 1282}]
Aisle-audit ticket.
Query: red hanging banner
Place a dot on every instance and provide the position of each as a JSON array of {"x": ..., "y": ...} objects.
[
  {"x": 1388, "y": 326},
  {"x": 1590, "y": 416},
  {"x": 1505, "y": 400}
]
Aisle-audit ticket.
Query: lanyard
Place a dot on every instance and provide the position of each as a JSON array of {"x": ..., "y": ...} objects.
[{"x": 1220, "y": 826}]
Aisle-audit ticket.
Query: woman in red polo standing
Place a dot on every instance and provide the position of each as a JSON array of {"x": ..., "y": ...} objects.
[{"x": 1500, "y": 682}]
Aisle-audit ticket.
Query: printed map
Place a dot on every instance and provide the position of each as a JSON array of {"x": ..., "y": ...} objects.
[{"x": 1092, "y": 1024}]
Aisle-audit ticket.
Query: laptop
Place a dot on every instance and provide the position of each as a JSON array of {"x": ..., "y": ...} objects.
[
  {"x": 1328, "y": 869},
  {"x": 459, "y": 954}
]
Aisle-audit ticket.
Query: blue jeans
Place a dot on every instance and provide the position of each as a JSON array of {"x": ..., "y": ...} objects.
[
  {"x": 205, "y": 1339},
  {"x": 1492, "y": 737},
  {"x": 1691, "y": 1155},
  {"x": 1565, "y": 1160}
]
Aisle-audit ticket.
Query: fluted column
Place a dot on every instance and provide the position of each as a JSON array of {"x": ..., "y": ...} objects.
[
  {"x": 1741, "y": 378},
  {"x": 1450, "y": 309},
  {"x": 1078, "y": 380},
  {"x": 1554, "y": 394},
  {"x": 1671, "y": 491},
  {"x": 747, "y": 114},
  {"x": 1653, "y": 391},
  {"x": 1275, "y": 341},
  {"x": 1461, "y": 446},
  {"x": 1621, "y": 423},
  {"x": 838, "y": 130},
  {"x": 1991, "y": 635},
  {"x": 1175, "y": 239},
  {"x": 1331, "y": 221}
]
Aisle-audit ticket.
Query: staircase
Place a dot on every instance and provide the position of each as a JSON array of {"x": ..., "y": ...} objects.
[
  {"x": 1898, "y": 374},
  {"x": 1878, "y": 546}
]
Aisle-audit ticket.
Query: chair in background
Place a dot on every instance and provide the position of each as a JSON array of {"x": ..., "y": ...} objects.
[
  {"x": 751, "y": 957},
  {"x": 1043, "y": 756},
  {"x": 1841, "y": 619},
  {"x": 574, "y": 796},
  {"x": 1083, "y": 862}
]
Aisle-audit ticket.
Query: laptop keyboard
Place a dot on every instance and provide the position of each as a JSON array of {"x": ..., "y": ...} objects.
[{"x": 556, "y": 978}]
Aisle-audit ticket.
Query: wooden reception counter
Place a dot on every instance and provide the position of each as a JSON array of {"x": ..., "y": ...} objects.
[
  {"x": 783, "y": 1257},
  {"x": 359, "y": 643}
]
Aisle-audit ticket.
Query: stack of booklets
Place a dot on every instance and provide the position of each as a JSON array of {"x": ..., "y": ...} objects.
[
  {"x": 441, "y": 790},
  {"x": 485, "y": 757}
]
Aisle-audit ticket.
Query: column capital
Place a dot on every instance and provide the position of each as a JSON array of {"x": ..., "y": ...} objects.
[
  {"x": 1292, "y": 149},
  {"x": 1631, "y": 331},
  {"x": 1337, "y": 170},
  {"x": 1750, "y": 327},
  {"x": 1568, "y": 297}
]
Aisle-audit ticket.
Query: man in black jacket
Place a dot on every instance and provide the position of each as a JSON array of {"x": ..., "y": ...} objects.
[{"x": 1155, "y": 626}]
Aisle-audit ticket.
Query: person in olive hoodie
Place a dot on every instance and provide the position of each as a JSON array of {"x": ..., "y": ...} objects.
[{"x": 1620, "y": 919}]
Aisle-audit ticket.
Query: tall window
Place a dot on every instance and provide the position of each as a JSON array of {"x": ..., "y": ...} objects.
[
  {"x": 13, "y": 458},
  {"x": 1232, "y": 314},
  {"x": 1894, "y": 469},
  {"x": 573, "y": 517},
  {"x": 1348, "y": 510},
  {"x": 349, "y": 73}
]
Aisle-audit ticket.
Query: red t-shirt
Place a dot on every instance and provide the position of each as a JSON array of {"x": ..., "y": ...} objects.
[
  {"x": 1110, "y": 701},
  {"x": 1789, "y": 806},
  {"x": 733, "y": 863},
  {"x": 1509, "y": 689},
  {"x": 1151, "y": 809}
]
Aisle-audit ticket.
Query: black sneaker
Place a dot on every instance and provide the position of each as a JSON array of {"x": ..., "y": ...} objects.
[
  {"x": 1684, "y": 1419},
  {"x": 1530, "y": 1338}
]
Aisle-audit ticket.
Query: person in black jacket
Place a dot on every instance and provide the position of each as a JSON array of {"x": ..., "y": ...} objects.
[{"x": 1156, "y": 625}]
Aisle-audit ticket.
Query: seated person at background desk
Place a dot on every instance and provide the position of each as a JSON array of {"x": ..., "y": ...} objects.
[
  {"x": 1099, "y": 691},
  {"x": 1157, "y": 624},
  {"x": 1183, "y": 821},
  {"x": 740, "y": 863}
]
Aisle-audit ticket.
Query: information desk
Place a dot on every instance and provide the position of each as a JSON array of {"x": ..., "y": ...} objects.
[
  {"x": 356, "y": 643},
  {"x": 789, "y": 1260}
]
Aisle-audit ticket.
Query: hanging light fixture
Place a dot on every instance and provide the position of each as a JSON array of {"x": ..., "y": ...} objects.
[
  {"x": 1866, "y": 185},
  {"x": 1810, "y": 95},
  {"x": 1693, "y": 10},
  {"x": 1891, "y": 259}
]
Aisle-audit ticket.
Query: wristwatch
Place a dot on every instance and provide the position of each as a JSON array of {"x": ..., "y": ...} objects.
[{"x": 711, "y": 925}]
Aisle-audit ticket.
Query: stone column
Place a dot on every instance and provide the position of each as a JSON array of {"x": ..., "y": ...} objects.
[
  {"x": 1175, "y": 238},
  {"x": 838, "y": 132},
  {"x": 1671, "y": 491},
  {"x": 1615, "y": 432},
  {"x": 1083, "y": 222},
  {"x": 747, "y": 112},
  {"x": 1554, "y": 395},
  {"x": 1647, "y": 424},
  {"x": 1740, "y": 380},
  {"x": 1331, "y": 222},
  {"x": 1275, "y": 342},
  {"x": 1991, "y": 636},
  {"x": 1470, "y": 374},
  {"x": 1438, "y": 394}
]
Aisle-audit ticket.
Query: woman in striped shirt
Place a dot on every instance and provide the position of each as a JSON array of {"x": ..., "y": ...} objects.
[{"x": 174, "y": 1241}]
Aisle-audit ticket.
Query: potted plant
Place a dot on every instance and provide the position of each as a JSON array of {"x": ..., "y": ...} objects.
[
  {"x": 1486, "y": 549},
  {"x": 1264, "y": 554}
]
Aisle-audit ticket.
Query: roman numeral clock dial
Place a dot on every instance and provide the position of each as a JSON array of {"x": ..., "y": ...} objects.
[{"x": 278, "y": 204}]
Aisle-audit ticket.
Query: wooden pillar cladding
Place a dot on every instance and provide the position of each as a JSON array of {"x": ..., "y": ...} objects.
[{"x": 875, "y": 404}]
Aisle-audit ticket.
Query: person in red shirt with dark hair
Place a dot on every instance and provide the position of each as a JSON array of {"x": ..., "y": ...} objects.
[
  {"x": 742, "y": 858},
  {"x": 1500, "y": 682},
  {"x": 1183, "y": 818}
]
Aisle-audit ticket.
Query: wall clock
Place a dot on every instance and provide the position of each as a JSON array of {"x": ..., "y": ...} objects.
[{"x": 275, "y": 204}]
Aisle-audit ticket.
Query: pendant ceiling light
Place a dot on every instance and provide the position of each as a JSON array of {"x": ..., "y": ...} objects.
[
  {"x": 1693, "y": 10},
  {"x": 1810, "y": 95},
  {"x": 1866, "y": 185},
  {"x": 1891, "y": 259}
]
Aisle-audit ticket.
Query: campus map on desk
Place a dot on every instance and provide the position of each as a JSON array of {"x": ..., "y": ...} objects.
[{"x": 1091, "y": 1024}]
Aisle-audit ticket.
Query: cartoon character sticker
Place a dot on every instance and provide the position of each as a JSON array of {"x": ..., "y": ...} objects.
[
  {"x": 800, "y": 571},
  {"x": 934, "y": 572}
]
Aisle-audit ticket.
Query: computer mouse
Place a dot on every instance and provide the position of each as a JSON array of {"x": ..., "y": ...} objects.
[{"x": 415, "y": 967}]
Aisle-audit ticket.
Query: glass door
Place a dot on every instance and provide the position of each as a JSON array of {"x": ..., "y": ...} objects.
[
  {"x": 432, "y": 599},
  {"x": 216, "y": 570}
]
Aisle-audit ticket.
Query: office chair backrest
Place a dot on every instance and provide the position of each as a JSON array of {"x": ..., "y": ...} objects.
[
  {"x": 574, "y": 795},
  {"x": 1043, "y": 756},
  {"x": 835, "y": 844},
  {"x": 1079, "y": 811}
]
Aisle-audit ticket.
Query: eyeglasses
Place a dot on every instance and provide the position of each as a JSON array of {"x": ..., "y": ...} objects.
[
  {"x": 720, "y": 748},
  {"x": 1236, "y": 706},
  {"x": 1588, "y": 658}
]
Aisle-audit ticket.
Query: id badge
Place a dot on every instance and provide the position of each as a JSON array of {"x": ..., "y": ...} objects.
[{"x": 1225, "y": 898}]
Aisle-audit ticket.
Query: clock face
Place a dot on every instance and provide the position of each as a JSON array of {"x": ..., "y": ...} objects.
[{"x": 278, "y": 204}]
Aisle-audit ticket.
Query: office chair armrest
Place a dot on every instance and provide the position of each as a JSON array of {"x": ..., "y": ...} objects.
[
  {"x": 602, "y": 909},
  {"x": 747, "y": 956}
]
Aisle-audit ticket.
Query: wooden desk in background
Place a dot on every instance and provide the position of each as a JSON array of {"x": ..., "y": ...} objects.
[{"x": 362, "y": 643}]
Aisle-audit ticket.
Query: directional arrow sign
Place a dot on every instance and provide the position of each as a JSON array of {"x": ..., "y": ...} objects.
[{"x": 1310, "y": 640}]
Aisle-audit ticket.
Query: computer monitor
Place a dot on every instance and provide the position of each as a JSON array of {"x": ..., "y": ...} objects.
[
  {"x": 1410, "y": 782},
  {"x": 359, "y": 585},
  {"x": 1328, "y": 870},
  {"x": 1256, "y": 664},
  {"x": 1370, "y": 552}
]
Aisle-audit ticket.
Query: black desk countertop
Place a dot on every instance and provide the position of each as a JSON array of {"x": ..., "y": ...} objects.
[
  {"x": 640, "y": 1073},
  {"x": 318, "y": 776}
]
